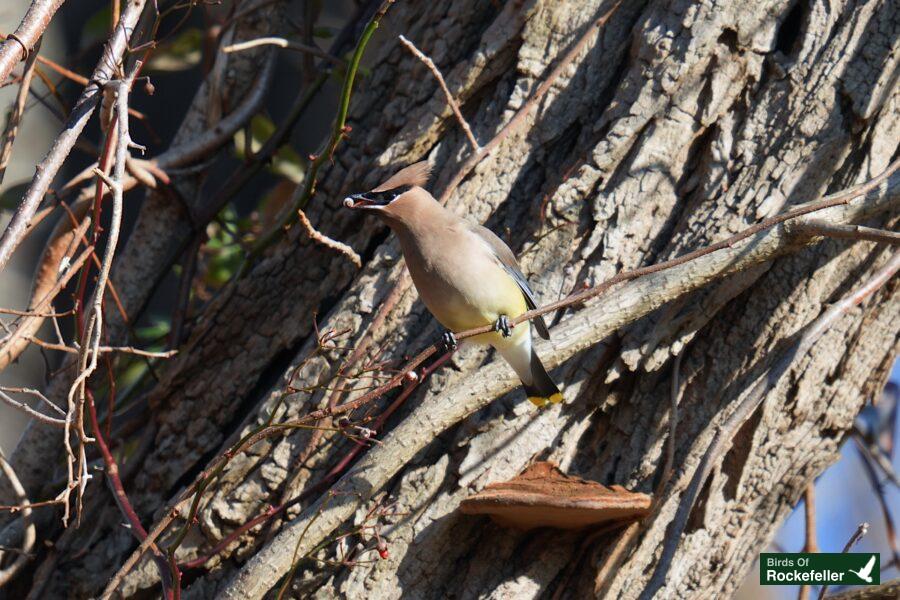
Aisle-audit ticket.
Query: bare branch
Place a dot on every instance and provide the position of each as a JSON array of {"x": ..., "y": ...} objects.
[
  {"x": 450, "y": 100},
  {"x": 16, "y": 111},
  {"x": 327, "y": 241},
  {"x": 878, "y": 457},
  {"x": 35, "y": 393},
  {"x": 202, "y": 145},
  {"x": 814, "y": 227},
  {"x": 860, "y": 532},
  {"x": 105, "y": 349},
  {"x": 810, "y": 545},
  {"x": 30, "y": 530},
  {"x": 48, "y": 168},
  {"x": 21, "y": 406},
  {"x": 22, "y": 41}
]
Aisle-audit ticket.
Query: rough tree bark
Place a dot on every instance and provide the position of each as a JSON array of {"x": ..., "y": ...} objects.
[{"x": 681, "y": 123}]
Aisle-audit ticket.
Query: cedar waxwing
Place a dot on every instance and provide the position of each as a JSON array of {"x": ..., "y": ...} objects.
[{"x": 466, "y": 276}]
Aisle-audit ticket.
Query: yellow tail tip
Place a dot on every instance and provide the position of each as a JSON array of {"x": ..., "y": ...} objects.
[{"x": 541, "y": 402}]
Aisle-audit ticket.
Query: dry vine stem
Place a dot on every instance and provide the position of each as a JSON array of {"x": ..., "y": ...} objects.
[
  {"x": 92, "y": 335},
  {"x": 659, "y": 284}
]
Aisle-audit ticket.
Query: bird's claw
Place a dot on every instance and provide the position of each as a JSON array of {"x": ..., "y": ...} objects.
[
  {"x": 502, "y": 325},
  {"x": 449, "y": 341}
]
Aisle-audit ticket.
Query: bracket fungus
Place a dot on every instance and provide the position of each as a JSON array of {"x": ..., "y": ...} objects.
[{"x": 544, "y": 496}]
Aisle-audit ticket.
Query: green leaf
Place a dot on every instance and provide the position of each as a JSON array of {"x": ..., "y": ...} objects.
[
  {"x": 323, "y": 32},
  {"x": 180, "y": 53},
  {"x": 261, "y": 129},
  {"x": 286, "y": 163},
  {"x": 155, "y": 331},
  {"x": 11, "y": 196}
]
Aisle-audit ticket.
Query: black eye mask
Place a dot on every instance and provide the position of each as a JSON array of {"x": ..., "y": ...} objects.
[{"x": 379, "y": 198}]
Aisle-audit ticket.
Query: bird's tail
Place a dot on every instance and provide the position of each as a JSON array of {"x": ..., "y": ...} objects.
[
  {"x": 542, "y": 390},
  {"x": 525, "y": 362}
]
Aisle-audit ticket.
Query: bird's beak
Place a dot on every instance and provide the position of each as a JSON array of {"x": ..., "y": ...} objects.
[{"x": 364, "y": 200}]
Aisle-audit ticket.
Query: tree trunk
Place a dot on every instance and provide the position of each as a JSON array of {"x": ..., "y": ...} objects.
[{"x": 678, "y": 125}]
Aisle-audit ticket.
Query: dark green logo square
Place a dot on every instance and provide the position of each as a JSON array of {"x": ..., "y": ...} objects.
[{"x": 801, "y": 568}]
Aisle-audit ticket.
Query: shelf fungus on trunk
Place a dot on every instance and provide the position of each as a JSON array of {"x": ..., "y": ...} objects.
[{"x": 544, "y": 496}]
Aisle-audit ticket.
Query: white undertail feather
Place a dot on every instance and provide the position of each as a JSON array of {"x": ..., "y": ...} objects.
[{"x": 518, "y": 355}]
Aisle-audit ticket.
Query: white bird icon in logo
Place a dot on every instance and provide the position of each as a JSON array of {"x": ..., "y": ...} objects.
[{"x": 866, "y": 572}]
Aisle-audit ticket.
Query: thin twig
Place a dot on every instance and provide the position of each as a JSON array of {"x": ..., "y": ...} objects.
[
  {"x": 521, "y": 116},
  {"x": 810, "y": 544},
  {"x": 15, "y": 343},
  {"x": 860, "y": 532},
  {"x": 16, "y": 111},
  {"x": 283, "y": 43},
  {"x": 118, "y": 489},
  {"x": 185, "y": 287},
  {"x": 450, "y": 100},
  {"x": 809, "y": 497},
  {"x": 31, "y": 313},
  {"x": 836, "y": 199},
  {"x": 201, "y": 146},
  {"x": 674, "y": 398},
  {"x": 878, "y": 456},
  {"x": 35, "y": 393},
  {"x": 879, "y": 488},
  {"x": 326, "y": 241},
  {"x": 614, "y": 558},
  {"x": 21, "y": 406},
  {"x": 814, "y": 227},
  {"x": 104, "y": 349}
]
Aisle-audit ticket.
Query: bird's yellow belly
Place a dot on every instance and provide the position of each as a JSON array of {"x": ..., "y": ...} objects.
[{"x": 474, "y": 304}]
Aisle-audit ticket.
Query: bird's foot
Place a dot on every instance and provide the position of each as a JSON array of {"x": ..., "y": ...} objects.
[
  {"x": 449, "y": 342},
  {"x": 502, "y": 325}
]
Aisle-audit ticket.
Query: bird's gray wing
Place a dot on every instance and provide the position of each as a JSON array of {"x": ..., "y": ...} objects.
[{"x": 508, "y": 261}]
